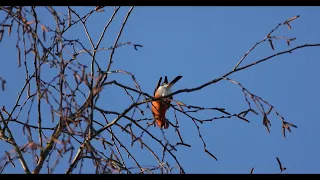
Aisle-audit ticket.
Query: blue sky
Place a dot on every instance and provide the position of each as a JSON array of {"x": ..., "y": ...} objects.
[{"x": 201, "y": 44}]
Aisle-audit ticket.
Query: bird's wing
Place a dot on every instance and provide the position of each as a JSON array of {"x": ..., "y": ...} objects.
[
  {"x": 175, "y": 80},
  {"x": 159, "y": 82}
]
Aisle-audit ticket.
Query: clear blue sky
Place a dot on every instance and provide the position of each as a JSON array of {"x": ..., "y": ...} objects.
[{"x": 201, "y": 44}]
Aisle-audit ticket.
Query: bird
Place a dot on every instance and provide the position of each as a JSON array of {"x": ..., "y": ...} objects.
[{"x": 160, "y": 107}]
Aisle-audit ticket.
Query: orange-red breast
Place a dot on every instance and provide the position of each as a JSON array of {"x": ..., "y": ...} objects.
[{"x": 160, "y": 107}]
